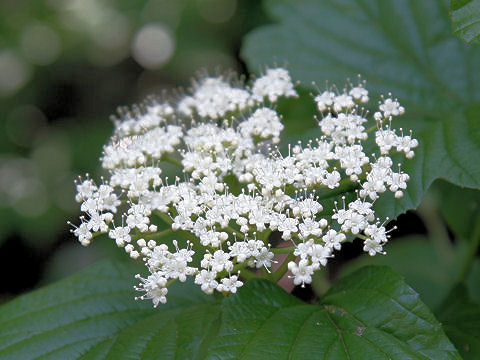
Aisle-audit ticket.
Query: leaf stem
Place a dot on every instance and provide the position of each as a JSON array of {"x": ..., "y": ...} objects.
[
  {"x": 277, "y": 275},
  {"x": 171, "y": 160},
  {"x": 186, "y": 234},
  {"x": 247, "y": 274},
  {"x": 170, "y": 282},
  {"x": 232, "y": 231},
  {"x": 472, "y": 251},
  {"x": 283, "y": 250},
  {"x": 155, "y": 235},
  {"x": 435, "y": 227},
  {"x": 264, "y": 236},
  {"x": 373, "y": 128},
  {"x": 361, "y": 236},
  {"x": 164, "y": 217},
  {"x": 343, "y": 188}
]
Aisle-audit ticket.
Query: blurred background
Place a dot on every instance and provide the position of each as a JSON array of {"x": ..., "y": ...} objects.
[{"x": 65, "y": 66}]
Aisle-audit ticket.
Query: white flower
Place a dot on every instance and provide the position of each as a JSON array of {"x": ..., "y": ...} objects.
[
  {"x": 359, "y": 93},
  {"x": 154, "y": 287},
  {"x": 377, "y": 233},
  {"x": 386, "y": 139},
  {"x": 97, "y": 223},
  {"x": 264, "y": 258},
  {"x": 235, "y": 191},
  {"x": 320, "y": 254},
  {"x": 391, "y": 107},
  {"x": 263, "y": 123},
  {"x": 304, "y": 249},
  {"x": 302, "y": 272},
  {"x": 121, "y": 235},
  {"x": 90, "y": 205},
  {"x": 332, "y": 239},
  {"x": 83, "y": 234},
  {"x": 230, "y": 284},
  {"x": 332, "y": 180},
  {"x": 405, "y": 144},
  {"x": 355, "y": 223},
  {"x": 372, "y": 247},
  {"x": 213, "y": 98},
  {"x": 342, "y": 101},
  {"x": 307, "y": 208},
  {"x": 308, "y": 228},
  {"x": 206, "y": 280},
  {"x": 287, "y": 225},
  {"x": 138, "y": 217},
  {"x": 85, "y": 190},
  {"x": 220, "y": 261},
  {"x": 364, "y": 208},
  {"x": 324, "y": 100},
  {"x": 275, "y": 83}
]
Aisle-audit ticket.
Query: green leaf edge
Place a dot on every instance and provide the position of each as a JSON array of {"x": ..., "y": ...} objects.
[{"x": 212, "y": 322}]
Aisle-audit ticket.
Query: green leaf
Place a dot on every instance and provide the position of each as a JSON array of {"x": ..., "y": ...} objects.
[
  {"x": 461, "y": 321},
  {"x": 297, "y": 115},
  {"x": 79, "y": 315},
  {"x": 431, "y": 269},
  {"x": 466, "y": 19},
  {"x": 169, "y": 334},
  {"x": 473, "y": 281},
  {"x": 460, "y": 207},
  {"x": 401, "y": 46},
  {"x": 372, "y": 314}
]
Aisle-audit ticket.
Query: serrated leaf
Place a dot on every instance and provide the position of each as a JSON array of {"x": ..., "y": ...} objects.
[
  {"x": 168, "y": 334},
  {"x": 78, "y": 315},
  {"x": 401, "y": 46},
  {"x": 466, "y": 19},
  {"x": 461, "y": 321},
  {"x": 372, "y": 314},
  {"x": 91, "y": 316}
]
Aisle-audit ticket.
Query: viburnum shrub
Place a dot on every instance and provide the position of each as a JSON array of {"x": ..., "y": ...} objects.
[{"x": 239, "y": 191}]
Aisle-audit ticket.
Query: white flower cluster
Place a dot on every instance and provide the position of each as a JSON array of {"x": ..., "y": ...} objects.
[{"x": 238, "y": 189}]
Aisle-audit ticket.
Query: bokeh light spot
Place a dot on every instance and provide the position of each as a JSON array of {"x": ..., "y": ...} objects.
[
  {"x": 153, "y": 45},
  {"x": 14, "y": 72},
  {"x": 40, "y": 44}
]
